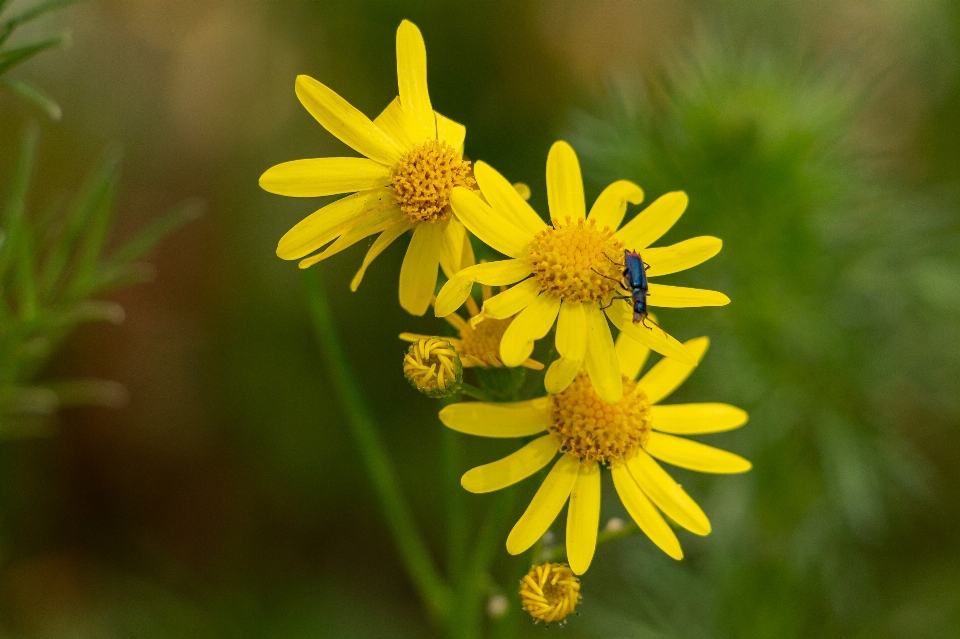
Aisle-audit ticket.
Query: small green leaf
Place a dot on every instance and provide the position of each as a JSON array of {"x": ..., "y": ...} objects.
[
  {"x": 35, "y": 96},
  {"x": 13, "y": 57},
  {"x": 159, "y": 229}
]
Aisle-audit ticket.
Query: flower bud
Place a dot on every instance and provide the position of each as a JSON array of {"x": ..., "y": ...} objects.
[
  {"x": 550, "y": 592},
  {"x": 433, "y": 367}
]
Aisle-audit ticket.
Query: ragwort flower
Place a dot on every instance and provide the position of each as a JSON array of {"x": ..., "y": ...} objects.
[
  {"x": 589, "y": 433},
  {"x": 571, "y": 269},
  {"x": 413, "y": 160}
]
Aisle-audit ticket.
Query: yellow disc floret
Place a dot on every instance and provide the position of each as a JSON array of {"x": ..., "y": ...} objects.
[
  {"x": 425, "y": 177},
  {"x": 433, "y": 367},
  {"x": 550, "y": 592},
  {"x": 576, "y": 261},
  {"x": 481, "y": 343},
  {"x": 587, "y": 427}
]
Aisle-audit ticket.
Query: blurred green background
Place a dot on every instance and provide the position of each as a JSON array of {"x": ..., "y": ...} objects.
[{"x": 820, "y": 140}]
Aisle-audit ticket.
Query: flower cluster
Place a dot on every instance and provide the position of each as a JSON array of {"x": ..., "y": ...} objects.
[{"x": 573, "y": 271}]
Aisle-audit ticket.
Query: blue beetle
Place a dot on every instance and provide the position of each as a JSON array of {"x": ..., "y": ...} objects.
[
  {"x": 635, "y": 280},
  {"x": 635, "y": 283}
]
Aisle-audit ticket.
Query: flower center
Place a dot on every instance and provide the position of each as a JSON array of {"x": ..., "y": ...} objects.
[
  {"x": 482, "y": 343},
  {"x": 425, "y": 177},
  {"x": 576, "y": 261},
  {"x": 433, "y": 367},
  {"x": 550, "y": 592},
  {"x": 585, "y": 426}
]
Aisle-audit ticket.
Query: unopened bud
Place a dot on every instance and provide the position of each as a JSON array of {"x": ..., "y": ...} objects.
[
  {"x": 550, "y": 592},
  {"x": 433, "y": 367}
]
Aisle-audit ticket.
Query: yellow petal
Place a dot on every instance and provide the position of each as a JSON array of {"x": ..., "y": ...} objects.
[
  {"x": 399, "y": 125},
  {"x": 631, "y": 354},
  {"x": 665, "y": 296},
  {"x": 602, "y": 365},
  {"x": 468, "y": 259},
  {"x": 643, "y": 512},
  {"x": 373, "y": 222},
  {"x": 418, "y": 273},
  {"x": 512, "y": 301},
  {"x": 583, "y": 518},
  {"x": 503, "y": 197},
  {"x": 667, "y": 494},
  {"x": 653, "y": 337},
  {"x": 512, "y": 468},
  {"x": 531, "y": 324},
  {"x": 522, "y": 190},
  {"x": 493, "y": 228},
  {"x": 345, "y": 122},
  {"x": 324, "y": 176},
  {"x": 545, "y": 506},
  {"x": 384, "y": 240},
  {"x": 572, "y": 332},
  {"x": 501, "y": 273},
  {"x": 664, "y": 260},
  {"x": 696, "y": 419},
  {"x": 507, "y": 419},
  {"x": 667, "y": 374},
  {"x": 453, "y": 133},
  {"x": 564, "y": 183},
  {"x": 653, "y": 221},
  {"x": 412, "y": 79},
  {"x": 687, "y": 453},
  {"x": 561, "y": 373},
  {"x": 611, "y": 206},
  {"x": 451, "y": 246},
  {"x": 331, "y": 221}
]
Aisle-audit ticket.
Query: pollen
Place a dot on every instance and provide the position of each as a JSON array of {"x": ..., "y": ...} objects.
[
  {"x": 587, "y": 427},
  {"x": 550, "y": 592},
  {"x": 424, "y": 179},
  {"x": 433, "y": 367},
  {"x": 576, "y": 261}
]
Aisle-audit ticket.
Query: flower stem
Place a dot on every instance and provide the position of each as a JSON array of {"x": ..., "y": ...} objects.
[
  {"x": 456, "y": 504},
  {"x": 434, "y": 592}
]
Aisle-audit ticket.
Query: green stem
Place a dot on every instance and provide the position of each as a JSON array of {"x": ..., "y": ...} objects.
[
  {"x": 456, "y": 504},
  {"x": 470, "y": 596},
  {"x": 434, "y": 592}
]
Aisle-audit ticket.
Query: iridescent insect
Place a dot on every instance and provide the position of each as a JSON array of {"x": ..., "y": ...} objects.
[{"x": 635, "y": 283}]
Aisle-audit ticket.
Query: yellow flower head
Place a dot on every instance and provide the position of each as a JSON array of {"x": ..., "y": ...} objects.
[
  {"x": 478, "y": 345},
  {"x": 571, "y": 269},
  {"x": 413, "y": 161},
  {"x": 550, "y": 592},
  {"x": 433, "y": 367},
  {"x": 589, "y": 433}
]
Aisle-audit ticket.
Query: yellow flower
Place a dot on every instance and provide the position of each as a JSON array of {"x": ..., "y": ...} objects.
[
  {"x": 550, "y": 592},
  {"x": 571, "y": 269},
  {"x": 414, "y": 159},
  {"x": 477, "y": 345},
  {"x": 588, "y": 433}
]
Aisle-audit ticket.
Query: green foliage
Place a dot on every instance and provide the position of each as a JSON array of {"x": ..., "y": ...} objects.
[
  {"x": 829, "y": 338},
  {"x": 10, "y": 57},
  {"x": 52, "y": 267}
]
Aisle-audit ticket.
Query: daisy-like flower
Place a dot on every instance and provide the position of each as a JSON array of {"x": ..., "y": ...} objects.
[
  {"x": 413, "y": 160},
  {"x": 572, "y": 269},
  {"x": 477, "y": 345},
  {"x": 589, "y": 433}
]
